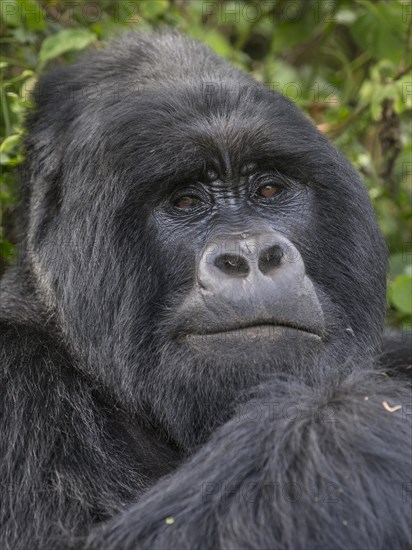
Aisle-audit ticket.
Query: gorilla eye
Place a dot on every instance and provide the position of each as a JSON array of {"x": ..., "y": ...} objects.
[
  {"x": 187, "y": 202},
  {"x": 267, "y": 191}
]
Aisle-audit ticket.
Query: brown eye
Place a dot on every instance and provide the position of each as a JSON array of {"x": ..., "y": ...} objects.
[
  {"x": 187, "y": 202},
  {"x": 267, "y": 191}
]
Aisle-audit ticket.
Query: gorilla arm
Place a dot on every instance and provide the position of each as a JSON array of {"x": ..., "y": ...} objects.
[
  {"x": 295, "y": 469},
  {"x": 65, "y": 460}
]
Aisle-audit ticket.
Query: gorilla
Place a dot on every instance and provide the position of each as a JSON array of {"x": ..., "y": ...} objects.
[{"x": 191, "y": 338}]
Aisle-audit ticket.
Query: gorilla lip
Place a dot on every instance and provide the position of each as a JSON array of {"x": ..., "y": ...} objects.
[{"x": 256, "y": 328}]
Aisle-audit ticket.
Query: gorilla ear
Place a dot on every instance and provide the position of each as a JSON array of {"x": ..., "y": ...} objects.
[
  {"x": 60, "y": 97},
  {"x": 45, "y": 145},
  {"x": 47, "y": 124}
]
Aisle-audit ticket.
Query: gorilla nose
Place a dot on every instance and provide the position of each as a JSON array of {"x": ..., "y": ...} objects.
[
  {"x": 251, "y": 279},
  {"x": 230, "y": 261},
  {"x": 241, "y": 264}
]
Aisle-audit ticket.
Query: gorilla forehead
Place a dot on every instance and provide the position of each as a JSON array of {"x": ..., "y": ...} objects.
[{"x": 188, "y": 130}]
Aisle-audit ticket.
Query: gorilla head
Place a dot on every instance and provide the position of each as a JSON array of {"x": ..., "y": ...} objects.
[{"x": 191, "y": 232}]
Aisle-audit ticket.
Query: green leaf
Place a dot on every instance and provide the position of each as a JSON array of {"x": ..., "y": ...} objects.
[
  {"x": 7, "y": 250},
  {"x": 10, "y": 14},
  {"x": 381, "y": 31},
  {"x": 150, "y": 9},
  {"x": 64, "y": 41},
  {"x": 4, "y": 159},
  {"x": 345, "y": 16},
  {"x": 401, "y": 293},
  {"x": 10, "y": 143},
  {"x": 397, "y": 264},
  {"x": 26, "y": 13},
  {"x": 289, "y": 34},
  {"x": 214, "y": 39}
]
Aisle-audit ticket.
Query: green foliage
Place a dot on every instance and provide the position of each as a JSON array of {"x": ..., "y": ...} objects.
[
  {"x": 400, "y": 293},
  {"x": 376, "y": 30},
  {"x": 347, "y": 63},
  {"x": 64, "y": 41}
]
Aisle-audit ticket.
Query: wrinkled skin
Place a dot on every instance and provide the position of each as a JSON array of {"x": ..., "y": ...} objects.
[{"x": 190, "y": 341}]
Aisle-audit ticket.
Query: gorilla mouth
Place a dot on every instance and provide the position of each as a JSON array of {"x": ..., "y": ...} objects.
[{"x": 256, "y": 329}]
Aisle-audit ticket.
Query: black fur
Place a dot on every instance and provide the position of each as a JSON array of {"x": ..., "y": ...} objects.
[{"x": 304, "y": 449}]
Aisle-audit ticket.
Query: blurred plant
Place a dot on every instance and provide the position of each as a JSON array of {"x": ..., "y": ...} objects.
[{"x": 347, "y": 63}]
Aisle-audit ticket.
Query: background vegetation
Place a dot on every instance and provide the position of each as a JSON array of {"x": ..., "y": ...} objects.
[{"x": 347, "y": 63}]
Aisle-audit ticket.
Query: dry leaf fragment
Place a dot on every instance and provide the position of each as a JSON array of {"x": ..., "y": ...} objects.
[
  {"x": 391, "y": 409},
  {"x": 169, "y": 520}
]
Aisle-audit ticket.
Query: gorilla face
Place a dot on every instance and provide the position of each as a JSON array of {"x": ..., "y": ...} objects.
[
  {"x": 250, "y": 292},
  {"x": 210, "y": 238}
]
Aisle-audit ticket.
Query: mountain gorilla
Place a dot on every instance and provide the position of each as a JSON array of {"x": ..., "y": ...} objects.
[{"x": 190, "y": 341}]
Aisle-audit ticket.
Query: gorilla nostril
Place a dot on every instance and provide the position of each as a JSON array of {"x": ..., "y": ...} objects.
[
  {"x": 232, "y": 264},
  {"x": 270, "y": 258}
]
